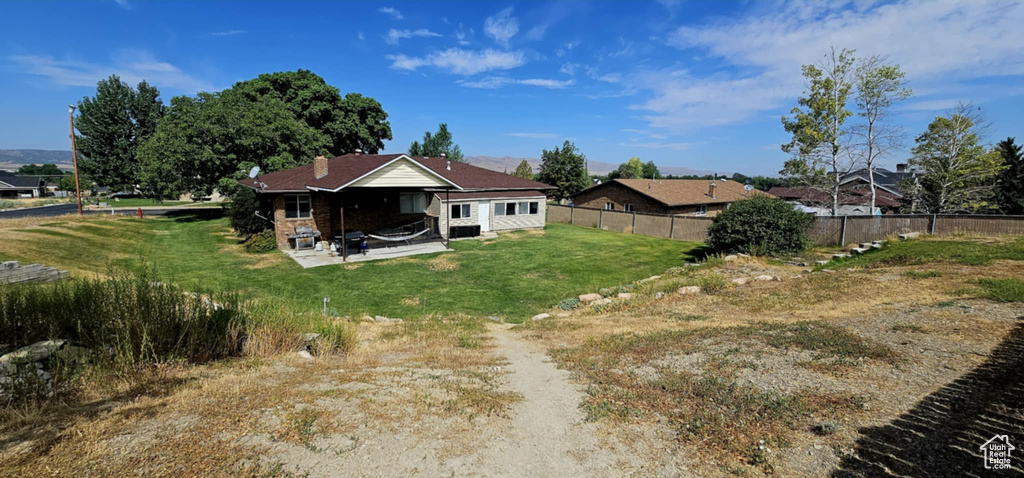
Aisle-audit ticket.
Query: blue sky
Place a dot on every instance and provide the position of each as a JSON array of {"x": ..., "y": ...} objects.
[{"x": 691, "y": 83}]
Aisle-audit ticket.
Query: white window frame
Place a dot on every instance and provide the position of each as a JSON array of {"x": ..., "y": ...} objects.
[
  {"x": 628, "y": 207},
  {"x": 464, "y": 211},
  {"x": 609, "y": 206},
  {"x": 299, "y": 199},
  {"x": 534, "y": 208},
  {"x": 702, "y": 210},
  {"x": 418, "y": 203}
]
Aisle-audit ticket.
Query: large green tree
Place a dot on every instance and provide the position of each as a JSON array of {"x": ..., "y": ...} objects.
[
  {"x": 111, "y": 126},
  {"x": 276, "y": 121},
  {"x": 632, "y": 169},
  {"x": 523, "y": 170},
  {"x": 651, "y": 171},
  {"x": 957, "y": 172},
  {"x": 1010, "y": 194},
  {"x": 40, "y": 170},
  {"x": 437, "y": 144},
  {"x": 563, "y": 168},
  {"x": 879, "y": 87},
  {"x": 818, "y": 126}
]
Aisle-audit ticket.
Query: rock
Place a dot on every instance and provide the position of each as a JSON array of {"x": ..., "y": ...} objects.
[
  {"x": 840, "y": 256},
  {"x": 858, "y": 250},
  {"x": 658, "y": 295},
  {"x": 304, "y": 354},
  {"x": 381, "y": 318},
  {"x": 542, "y": 316},
  {"x": 602, "y": 302},
  {"x": 650, "y": 279},
  {"x": 909, "y": 235},
  {"x": 690, "y": 289},
  {"x": 739, "y": 280},
  {"x": 588, "y": 298},
  {"x": 493, "y": 318},
  {"x": 798, "y": 276},
  {"x": 821, "y": 263},
  {"x": 827, "y": 270},
  {"x": 625, "y": 296},
  {"x": 563, "y": 314},
  {"x": 741, "y": 254},
  {"x": 730, "y": 258},
  {"x": 692, "y": 264},
  {"x": 36, "y": 352},
  {"x": 766, "y": 277}
]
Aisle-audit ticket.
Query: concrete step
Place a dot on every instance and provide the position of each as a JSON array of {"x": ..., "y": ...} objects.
[
  {"x": 821, "y": 263},
  {"x": 840, "y": 256},
  {"x": 859, "y": 250},
  {"x": 876, "y": 246}
]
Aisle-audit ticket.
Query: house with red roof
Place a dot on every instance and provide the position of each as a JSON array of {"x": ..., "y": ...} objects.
[{"x": 355, "y": 198}]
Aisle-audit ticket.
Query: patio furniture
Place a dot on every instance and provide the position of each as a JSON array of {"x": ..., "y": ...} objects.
[
  {"x": 402, "y": 236},
  {"x": 305, "y": 237},
  {"x": 353, "y": 240}
]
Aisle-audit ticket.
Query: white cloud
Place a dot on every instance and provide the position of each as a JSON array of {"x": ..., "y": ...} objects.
[
  {"x": 228, "y": 33},
  {"x": 936, "y": 43},
  {"x": 462, "y": 62},
  {"x": 658, "y": 145},
  {"x": 502, "y": 26},
  {"x": 394, "y": 36},
  {"x": 132, "y": 66},
  {"x": 569, "y": 68},
  {"x": 123, "y": 4},
  {"x": 533, "y": 135},
  {"x": 493, "y": 82},
  {"x": 397, "y": 15},
  {"x": 462, "y": 34},
  {"x": 565, "y": 50}
]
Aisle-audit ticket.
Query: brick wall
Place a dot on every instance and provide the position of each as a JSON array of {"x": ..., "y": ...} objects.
[{"x": 321, "y": 220}]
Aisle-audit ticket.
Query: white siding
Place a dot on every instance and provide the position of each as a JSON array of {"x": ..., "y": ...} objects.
[
  {"x": 401, "y": 173},
  {"x": 519, "y": 221},
  {"x": 498, "y": 223}
]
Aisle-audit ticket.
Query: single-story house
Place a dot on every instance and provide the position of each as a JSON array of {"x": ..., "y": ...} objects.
[
  {"x": 386, "y": 194},
  {"x": 853, "y": 200},
  {"x": 696, "y": 197},
  {"x": 15, "y": 186}
]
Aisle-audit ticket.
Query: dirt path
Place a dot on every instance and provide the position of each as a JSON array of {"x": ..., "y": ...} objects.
[{"x": 547, "y": 435}]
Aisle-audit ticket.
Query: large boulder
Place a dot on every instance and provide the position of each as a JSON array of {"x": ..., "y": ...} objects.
[
  {"x": 37, "y": 352},
  {"x": 588, "y": 298}
]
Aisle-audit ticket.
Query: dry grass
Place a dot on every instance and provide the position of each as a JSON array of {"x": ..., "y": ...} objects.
[{"x": 442, "y": 263}]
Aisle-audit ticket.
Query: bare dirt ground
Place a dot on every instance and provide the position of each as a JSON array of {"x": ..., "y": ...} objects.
[{"x": 848, "y": 373}]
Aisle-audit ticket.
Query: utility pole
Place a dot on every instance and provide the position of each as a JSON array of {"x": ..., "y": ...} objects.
[{"x": 74, "y": 156}]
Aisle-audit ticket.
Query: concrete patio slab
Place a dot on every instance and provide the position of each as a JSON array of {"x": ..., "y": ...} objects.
[{"x": 312, "y": 258}]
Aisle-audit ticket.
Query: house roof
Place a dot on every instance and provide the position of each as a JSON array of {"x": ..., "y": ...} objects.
[
  {"x": 14, "y": 181},
  {"x": 345, "y": 169},
  {"x": 683, "y": 192},
  {"x": 891, "y": 181},
  {"x": 466, "y": 195},
  {"x": 849, "y": 197}
]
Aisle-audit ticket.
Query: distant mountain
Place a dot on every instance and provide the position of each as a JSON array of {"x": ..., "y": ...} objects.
[
  {"x": 506, "y": 163},
  {"x": 14, "y": 158}
]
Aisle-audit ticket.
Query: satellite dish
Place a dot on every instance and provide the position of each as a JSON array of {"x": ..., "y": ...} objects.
[
  {"x": 748, "y": 187},
  {"x": 254, "y": 171}
]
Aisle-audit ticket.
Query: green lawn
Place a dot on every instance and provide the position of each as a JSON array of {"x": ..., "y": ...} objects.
[
  {"x": 906, "y": 253},
  {"x": 514, "y": 276}
]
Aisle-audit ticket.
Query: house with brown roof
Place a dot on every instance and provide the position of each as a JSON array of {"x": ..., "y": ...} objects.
[
  {"x": 357, "y": 197},
  {"x": 664, "y": 196}
]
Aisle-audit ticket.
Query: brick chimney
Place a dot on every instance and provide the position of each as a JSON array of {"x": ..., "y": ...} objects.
[
  {"x": 711, "y": 189},
  {"x": 319, "y": 167}
]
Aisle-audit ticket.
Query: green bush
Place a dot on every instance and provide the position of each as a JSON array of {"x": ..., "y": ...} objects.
[
  {"x": 242, "y": 213},
  {"x": 759, "y": 225},
  {"x": 265, "y": 241},
  {"x": 569, "y": 304}
]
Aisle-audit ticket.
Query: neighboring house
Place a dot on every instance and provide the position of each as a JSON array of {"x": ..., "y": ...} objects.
[
  {"x": 14, "y": 186},
  {"x": 891, "y": 182},
  {"x": 373, "y": 193},
  {"x": 852, "y": 201},
  {"x": 664, "y": 196}
]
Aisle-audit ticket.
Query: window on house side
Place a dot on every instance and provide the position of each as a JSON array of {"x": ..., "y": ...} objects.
[
  {"x": 510, "y": 209},
  {"x": 610, "y": 206},
  {"x": 460, "y": 211},
  {"x": 499, "y": 209},
  {"x": 627, "y": 207},
  {"x": 702, "y": 210},
  {"x": 412, "y": 203},
  {"x": 534, "y": 207},
  {"x": 297, "y": 206}
]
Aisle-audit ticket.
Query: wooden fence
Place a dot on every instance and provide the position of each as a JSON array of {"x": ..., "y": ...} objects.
[{"x": 824, "y": 230}]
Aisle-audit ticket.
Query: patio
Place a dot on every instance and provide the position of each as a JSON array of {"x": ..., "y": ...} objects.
[{"x": 312, "y": 258}]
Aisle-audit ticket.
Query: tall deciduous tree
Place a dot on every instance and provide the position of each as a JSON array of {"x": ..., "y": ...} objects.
[
  {"x": 1010, "y": 195},
  {"x": 957, "y": 173},
  {"x": 632, "y": 169},
  {"x": 275, "y": 121},
  {"x": 651, "y": 170},
  {"x": 111, "y": 127},
  {"x": 436, "y": 144},
  {"x": 523, "y": 170},
  {"x": 879, "y": 86},
  {"x": 48, "y": 169},
  {"x": 819, "y": 144},
  {"x": 563, "y": 168}
]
